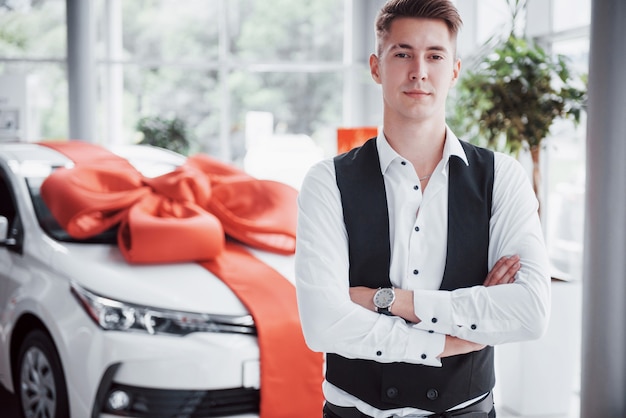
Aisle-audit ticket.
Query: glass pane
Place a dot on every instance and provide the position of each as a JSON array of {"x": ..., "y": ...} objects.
[
  {"x": 170, "y": 30},
  {"x": 494, "y": 18},
  {"x": 301, "y": 103},
  {"x": 287, "y": 30},
  {"x": 566, "y": 200},
  {"x": 46, "y": 98},
  {"x": 35, "y": 32},
  {"x": 566, "y": 179},
  {"x": 303, "y": 111},
  {"x": 577, "y": 51},
  {"x": 169, "y": 92},
  {"x": 570, "y": 14},
  {"x": 176, "y": 69}
]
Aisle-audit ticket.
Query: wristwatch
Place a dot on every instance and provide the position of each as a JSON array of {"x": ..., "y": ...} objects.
[{"x": 383, "y": 298}]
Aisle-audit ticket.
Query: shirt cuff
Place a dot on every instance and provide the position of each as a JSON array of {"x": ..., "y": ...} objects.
[
  {"x": 434, "y": 309},
  {"x": 426, "y": 346}
]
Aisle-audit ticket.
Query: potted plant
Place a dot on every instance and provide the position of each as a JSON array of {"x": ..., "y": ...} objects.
[
  {"x": 165, "y": 133},
  {"x": 510, "y": 97}
]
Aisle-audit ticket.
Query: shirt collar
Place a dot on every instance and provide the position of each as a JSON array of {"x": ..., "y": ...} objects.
[{"x": 387, "y": 155}]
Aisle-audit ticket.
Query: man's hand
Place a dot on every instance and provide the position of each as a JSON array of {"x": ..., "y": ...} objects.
[
  {"x": 503, "y": 272},
  {"x": 455, "y": 346}
]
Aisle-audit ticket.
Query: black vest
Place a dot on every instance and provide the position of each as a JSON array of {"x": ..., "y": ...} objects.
[{"x": 393, "y": 385}]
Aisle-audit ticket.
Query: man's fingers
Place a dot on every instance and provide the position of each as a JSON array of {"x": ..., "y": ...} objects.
[
  {"x": 455, "y": 346},
  {"x": 503, "y": 271}
]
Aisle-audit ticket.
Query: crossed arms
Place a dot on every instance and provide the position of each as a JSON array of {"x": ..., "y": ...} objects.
[
  {"x": 503, "y": 272},
  {"x": 512, "y": 304}
]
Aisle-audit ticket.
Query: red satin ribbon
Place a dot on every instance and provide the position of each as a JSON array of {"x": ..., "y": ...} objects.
[{"x": 183, "y": 216}]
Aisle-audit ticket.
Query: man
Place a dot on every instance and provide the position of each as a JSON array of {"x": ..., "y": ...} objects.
[{"x": 417, "y": 252}]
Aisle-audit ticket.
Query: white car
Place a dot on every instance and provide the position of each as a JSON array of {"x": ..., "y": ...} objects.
[{"x": 83, "y": 333}]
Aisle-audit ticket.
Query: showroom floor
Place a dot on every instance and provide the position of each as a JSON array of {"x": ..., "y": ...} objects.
[{"x": 573, "y": 413}]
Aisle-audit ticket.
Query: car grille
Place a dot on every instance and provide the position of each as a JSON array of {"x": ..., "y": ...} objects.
[{"x": 159, "y": 403}]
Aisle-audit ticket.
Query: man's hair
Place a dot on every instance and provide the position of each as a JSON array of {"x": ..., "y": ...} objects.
[{"x": 429, "y": 9}]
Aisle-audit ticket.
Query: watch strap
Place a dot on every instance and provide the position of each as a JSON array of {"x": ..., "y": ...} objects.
[{"x": 384, "y": 311}]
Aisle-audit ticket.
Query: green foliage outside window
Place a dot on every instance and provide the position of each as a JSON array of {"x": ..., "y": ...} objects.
[
  {"x": 165, "y": 133},
  {"x": 207, "y": 62}
]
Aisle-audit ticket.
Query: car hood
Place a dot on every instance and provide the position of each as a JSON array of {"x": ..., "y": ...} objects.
[{"x": 185, "y": 287}]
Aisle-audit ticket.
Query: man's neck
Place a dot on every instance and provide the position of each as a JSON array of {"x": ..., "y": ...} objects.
[{"x": 420, "y": 143}]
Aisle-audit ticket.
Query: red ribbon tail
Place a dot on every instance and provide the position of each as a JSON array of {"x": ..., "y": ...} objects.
[{"x": 291, "y": 374}]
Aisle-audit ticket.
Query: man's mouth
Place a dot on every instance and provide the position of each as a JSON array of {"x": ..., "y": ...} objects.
[{"x": 417, "y": 93}]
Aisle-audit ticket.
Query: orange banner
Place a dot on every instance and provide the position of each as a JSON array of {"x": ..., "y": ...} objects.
[
  {"x": 348, "y": 138},
  {"x": 184, "y": 216}
]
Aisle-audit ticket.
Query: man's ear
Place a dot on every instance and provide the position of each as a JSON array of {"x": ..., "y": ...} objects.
[
  {"x": 456, "y": 71},
  {"x": 375, "y": 68}
]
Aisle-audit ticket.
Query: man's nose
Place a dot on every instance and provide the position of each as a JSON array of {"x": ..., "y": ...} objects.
[{"x": 418, "y": 70}]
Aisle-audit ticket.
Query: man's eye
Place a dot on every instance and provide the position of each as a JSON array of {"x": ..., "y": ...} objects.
[
  {"x": 402, "y": 55},
  {"x": 437, "y": 57}
]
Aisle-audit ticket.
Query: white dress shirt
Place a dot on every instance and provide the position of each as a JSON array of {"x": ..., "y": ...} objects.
[{"x": 418, "y": 223}]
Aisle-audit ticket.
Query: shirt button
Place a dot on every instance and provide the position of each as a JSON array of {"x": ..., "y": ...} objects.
[
  {"x": 473, "y": 326},
  {"x": 434, "y": 320},
  {"x": 379, "y": 353},
  {"x": 417, "y": 229},
  {"x": 403, "y": 162},
  {"x": 392, "y": 392},
  {"x": 416, "y": 272},
  {"x": 424, "y": 356},
  {"x": 416, "y": 187},
  {"x": 432, "y": 394}
]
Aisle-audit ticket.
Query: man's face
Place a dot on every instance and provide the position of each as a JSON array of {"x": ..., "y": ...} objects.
[{"x": 416, "y": 69}]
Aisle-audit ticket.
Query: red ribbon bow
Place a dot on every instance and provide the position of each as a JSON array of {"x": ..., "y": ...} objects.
[
  {"x": 183, "y": 216},
  {"x": 179, "y": 216}
]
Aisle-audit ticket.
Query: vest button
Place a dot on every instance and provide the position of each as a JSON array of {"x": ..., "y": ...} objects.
[
  {"x": 392, "y": 392},
  {"x": 432, "y": 394}
]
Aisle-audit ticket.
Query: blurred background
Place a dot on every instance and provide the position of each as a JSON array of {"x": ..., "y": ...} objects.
[{"x": 266, "y": 85}]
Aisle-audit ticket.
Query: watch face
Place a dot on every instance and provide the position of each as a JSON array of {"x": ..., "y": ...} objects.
[{"x": 384, "y": 298}]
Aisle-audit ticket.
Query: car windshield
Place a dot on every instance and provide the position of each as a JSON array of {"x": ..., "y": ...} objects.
[{"x": 52, "y": 227}]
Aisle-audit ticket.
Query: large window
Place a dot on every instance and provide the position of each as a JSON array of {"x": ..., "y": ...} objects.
[
  {"x": 210, "y": 62},
  {"x": 206, "y": 62},
  {"x": 565, "y": 166},
  {"x": 32, "y": 53}
]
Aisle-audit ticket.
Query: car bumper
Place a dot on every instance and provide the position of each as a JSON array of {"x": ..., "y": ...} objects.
[
  {"x": 123, "y": 400},
  {"x": 199, "y": 375}
]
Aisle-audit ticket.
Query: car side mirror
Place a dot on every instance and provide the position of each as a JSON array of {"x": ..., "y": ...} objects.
[{"x": 4, "y": 232}]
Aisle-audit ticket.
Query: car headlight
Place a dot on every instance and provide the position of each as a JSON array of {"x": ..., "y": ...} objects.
[{"x": 115, "y": 315}]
